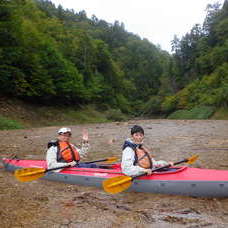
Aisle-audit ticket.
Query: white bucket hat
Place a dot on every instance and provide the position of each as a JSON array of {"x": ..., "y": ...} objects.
[{"x": 64, "y": 130}]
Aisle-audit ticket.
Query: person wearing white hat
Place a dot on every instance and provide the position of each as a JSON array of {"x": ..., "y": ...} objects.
[
  {"x": 63, "y": 153},
  {"x": 64, "y": 130}
]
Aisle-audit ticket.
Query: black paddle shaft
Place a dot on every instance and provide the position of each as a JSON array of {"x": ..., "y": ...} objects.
[
  {"x": 96, "y": 161},
  {"x": 62, "y": 167},
  {"x": 68, "y": 166},
  {"x": 163, "y": 167}
]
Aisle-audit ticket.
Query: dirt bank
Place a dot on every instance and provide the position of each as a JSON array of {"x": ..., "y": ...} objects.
[{"x": 47, "y": 204}]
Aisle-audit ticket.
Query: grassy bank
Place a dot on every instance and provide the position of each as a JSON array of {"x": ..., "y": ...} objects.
[
  {"x": 197, "y": 113},
  {"x": 15, "y": 114},
  {"x": 201, "y": 113},
  {"x": 221, "y": 114}
]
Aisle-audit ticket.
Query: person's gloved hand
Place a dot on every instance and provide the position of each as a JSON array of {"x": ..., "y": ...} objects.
[{"x": 73, "y": 163}]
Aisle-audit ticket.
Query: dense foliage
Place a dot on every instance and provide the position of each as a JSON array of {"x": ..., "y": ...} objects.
[
  {"x": 55, "y": 56},
  {"x": 201, "y": 64},
  {"x": 59, "y": 56}
]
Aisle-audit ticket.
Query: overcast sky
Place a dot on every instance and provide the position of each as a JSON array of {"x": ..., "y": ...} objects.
[{"x": 156, "y": 20}]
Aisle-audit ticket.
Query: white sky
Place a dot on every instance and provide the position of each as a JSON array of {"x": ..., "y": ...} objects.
[{"x": 156, "y": 20}]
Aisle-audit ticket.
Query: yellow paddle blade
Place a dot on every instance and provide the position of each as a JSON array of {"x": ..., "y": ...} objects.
[
  {"x": 117, "y": 184},
  {"x": 111, "y": 160},
  {"x": 192, "y": 159},
  {"x": 29, "y": 174}
]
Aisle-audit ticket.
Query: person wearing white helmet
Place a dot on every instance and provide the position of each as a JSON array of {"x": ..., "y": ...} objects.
[{"x": 63, "y": 153}]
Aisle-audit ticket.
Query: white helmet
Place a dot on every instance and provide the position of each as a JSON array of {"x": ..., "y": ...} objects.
[{"x": 64, "y": 130}]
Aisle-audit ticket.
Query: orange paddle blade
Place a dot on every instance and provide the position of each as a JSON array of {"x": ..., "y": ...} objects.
[
  {"x": 29, "y": 174},
  {"x": 117, "y": 184},
  {"x": 192, "y": 159},
  {"x": 111, "y": 160}
]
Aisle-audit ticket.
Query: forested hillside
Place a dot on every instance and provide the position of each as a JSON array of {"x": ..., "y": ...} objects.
[
  {"x": 201, "y": 65},
  {"x": 50, "y": 55}
]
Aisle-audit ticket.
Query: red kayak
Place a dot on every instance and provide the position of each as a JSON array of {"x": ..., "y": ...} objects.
[{"x": 177, "y": 180}]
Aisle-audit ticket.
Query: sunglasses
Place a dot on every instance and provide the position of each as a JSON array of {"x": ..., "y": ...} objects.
[{"x": 66, "y": 134}]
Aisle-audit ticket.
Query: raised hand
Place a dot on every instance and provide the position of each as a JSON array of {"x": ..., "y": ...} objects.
[{"x": 85, "y": 135}]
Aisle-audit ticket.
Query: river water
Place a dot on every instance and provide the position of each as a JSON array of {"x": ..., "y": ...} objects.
[{"x": 48, "y": 204}]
